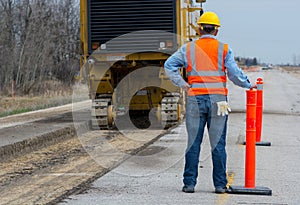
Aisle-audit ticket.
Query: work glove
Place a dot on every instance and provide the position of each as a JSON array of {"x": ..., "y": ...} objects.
[{"x": 223, "y": 108}]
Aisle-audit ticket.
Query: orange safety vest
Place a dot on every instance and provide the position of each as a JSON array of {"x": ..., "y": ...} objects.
[{"x": 206, "y": 70}]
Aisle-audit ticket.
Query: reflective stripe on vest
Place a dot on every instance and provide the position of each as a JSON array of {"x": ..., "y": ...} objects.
[
  {"x": 206, "y": 70},
  {"x": 207, "y": 85}
]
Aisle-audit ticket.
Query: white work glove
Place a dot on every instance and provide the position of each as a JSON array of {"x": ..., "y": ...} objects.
[{"x": 223, "y": 108}]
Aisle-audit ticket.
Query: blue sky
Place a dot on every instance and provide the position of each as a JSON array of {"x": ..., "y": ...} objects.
[{"x": 266, "y": 29}]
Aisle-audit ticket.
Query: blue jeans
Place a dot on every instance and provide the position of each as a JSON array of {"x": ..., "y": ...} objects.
[{"x": 201, "y": 111}]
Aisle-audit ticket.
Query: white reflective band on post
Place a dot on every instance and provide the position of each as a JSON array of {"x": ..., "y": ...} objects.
[
  {"x": 208, "y": 85},
  {"x": 260, "y": 86}
]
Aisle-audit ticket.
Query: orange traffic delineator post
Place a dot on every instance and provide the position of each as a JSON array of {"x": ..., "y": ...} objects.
[
  {"x": 250, "y": 139},
  {"x": 250, "y": 162},
  {"x": 259, "y": 113}
]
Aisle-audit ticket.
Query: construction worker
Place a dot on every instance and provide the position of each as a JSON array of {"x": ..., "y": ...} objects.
[{"x": 208, "y": 62}]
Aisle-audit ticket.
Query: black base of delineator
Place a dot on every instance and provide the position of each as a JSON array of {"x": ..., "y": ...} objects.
[
  {"x": 263, "y": 143},
  {"x": 250, "y": 191},
  {"x": 267, "y": 144}
]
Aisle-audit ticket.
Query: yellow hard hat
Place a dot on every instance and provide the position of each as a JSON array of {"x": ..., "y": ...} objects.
[{"x": 209, "y": 18}]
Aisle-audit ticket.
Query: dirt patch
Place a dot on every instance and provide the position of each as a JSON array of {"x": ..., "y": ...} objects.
[{"x": 48, "y": 175}]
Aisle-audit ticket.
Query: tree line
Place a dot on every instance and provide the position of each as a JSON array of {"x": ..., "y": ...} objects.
[
  {"x": 247, "y": 61},
  {"x": 39, "y": 41}
]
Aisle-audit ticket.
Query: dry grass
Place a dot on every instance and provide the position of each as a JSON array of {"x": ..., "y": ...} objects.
[
  {"x": 293, "y": 70},
  {"x": 54, "y": 95},
  {"x": 16, "y": 105}
]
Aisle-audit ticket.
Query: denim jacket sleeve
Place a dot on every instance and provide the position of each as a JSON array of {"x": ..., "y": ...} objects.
[
  {"x": 174, "y": 63},
  {"x": 235, "y": 74}
]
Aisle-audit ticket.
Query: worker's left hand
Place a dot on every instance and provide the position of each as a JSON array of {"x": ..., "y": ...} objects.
[
  {"x": 223, "y": 108},
  {"x": 186, "y": 87}
]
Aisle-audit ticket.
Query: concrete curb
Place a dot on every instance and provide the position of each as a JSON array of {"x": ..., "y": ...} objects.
[{"x": 36, "y": 142}]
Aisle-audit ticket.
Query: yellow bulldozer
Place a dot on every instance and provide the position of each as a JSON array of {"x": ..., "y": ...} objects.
[{"x": 124, "y": 46}]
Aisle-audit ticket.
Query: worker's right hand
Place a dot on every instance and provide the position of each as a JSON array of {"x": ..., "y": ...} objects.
[{"x": 253, "y": 86}]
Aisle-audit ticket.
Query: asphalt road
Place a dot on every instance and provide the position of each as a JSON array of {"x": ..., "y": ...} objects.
[{"x": 155, "y": 175}]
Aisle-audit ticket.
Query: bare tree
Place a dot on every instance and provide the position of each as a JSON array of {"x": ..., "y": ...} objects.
[
  {"x": 7, "y": 42},
  {"x": 38, "y": 41}
]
